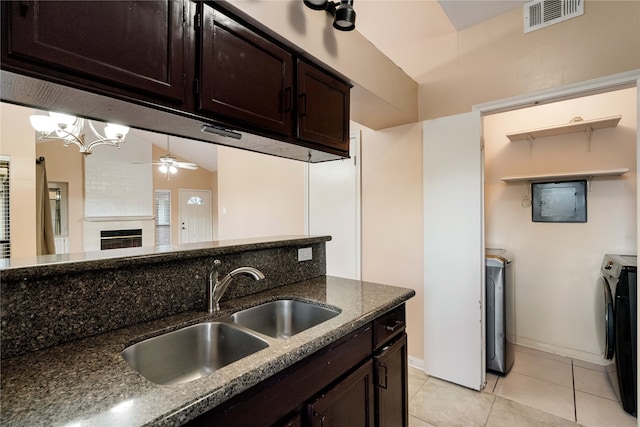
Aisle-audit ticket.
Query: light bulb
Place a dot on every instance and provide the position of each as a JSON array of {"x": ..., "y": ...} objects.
[
  {"x": 113, "y": 131},
  {"x": 173, "y": 169},
  {"x": 163, "y": 168},
  {"x": 63, "y": 120},
  {"x": 42, "y": 124}
]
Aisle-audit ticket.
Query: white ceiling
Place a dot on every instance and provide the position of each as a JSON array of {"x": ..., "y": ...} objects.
[{"x": 403, "y": 30}]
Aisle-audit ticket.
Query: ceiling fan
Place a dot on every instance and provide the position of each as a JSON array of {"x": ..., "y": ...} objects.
[{"x": 169, "y": 164}]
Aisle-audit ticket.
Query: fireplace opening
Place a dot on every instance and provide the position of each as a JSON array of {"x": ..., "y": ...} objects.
[{"x": 117, "y": 239}]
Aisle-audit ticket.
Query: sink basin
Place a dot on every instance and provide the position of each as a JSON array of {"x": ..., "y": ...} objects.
[
  {"x": 191, "y": 353},
  {"x": 283, "y": 318}
]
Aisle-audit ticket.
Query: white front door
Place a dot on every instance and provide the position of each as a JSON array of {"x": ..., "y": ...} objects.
[
  {"x": 334, "y": 209},
  {"x": 454, "y": 250},
  {"x": 195, "y": 216}
]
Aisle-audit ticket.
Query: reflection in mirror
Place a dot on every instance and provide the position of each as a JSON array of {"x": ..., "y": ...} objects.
[
  {"x": 5, "y": 244},
  {"x": 117, "y": 190}
]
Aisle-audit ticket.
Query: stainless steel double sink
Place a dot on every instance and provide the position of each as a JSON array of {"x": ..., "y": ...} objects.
[{"x": 198, "y": 350}]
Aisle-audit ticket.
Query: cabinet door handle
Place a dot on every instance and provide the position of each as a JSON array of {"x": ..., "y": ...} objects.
[
  {"x": 384, "y": 386},
  {"x": 302, "y": 110},
  {"x": 320, "y": 417},
  {"x": 287, "y": 99},
  {"x": 394, "y": 327}
]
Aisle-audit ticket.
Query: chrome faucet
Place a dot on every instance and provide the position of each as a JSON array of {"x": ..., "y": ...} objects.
[{"x": 216, "y": 288}]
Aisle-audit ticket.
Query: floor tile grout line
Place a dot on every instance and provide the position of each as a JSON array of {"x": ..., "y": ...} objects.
[
  {"x": 575, "y": 406},
  {"x": 546, "y": 380}
]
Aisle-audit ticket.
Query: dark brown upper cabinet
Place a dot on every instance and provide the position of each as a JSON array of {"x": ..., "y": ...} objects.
[
  {"x": 243, "y": 77},
  {"x": 132, "y": 48},
  {"x": 201, "y": 62},
  {"x": 323, "y": 108}
]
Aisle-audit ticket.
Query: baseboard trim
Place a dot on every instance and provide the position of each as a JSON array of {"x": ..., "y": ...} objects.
[
  {"x": 584, "y": 356},
  {"x": 416, "y": 363}
]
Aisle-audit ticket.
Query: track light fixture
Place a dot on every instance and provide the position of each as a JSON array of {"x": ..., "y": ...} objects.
[{"x": 344, "y": 17}]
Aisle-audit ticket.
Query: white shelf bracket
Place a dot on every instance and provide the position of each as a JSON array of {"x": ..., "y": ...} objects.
[
  {"x": 589, "y": 182},
  {"x": 530, "y": 138},
  {"x": 526, "y": 199},
  {"x": 588, "y": 131}
]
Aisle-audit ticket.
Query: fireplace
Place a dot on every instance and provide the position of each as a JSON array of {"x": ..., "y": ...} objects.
[
  {"x": 116, "y": 239},
  {"x": 98, "y": 230}
]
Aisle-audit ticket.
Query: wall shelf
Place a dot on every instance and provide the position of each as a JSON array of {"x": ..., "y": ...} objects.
[
  {"x": 586, "y": 126},
  {"x": 566, "y": 176}
]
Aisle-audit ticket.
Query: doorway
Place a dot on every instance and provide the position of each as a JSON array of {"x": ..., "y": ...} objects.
[
  {"x": 195, "y": 216},
  {"x": 438, "y": 347}
]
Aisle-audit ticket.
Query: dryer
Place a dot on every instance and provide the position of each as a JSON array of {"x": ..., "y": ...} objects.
[
  {"x": 618, "y": 283},
  {"x": 500, "y": 310}
]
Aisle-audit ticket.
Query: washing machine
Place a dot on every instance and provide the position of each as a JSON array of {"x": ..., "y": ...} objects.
[
  {"x": 500, "y": 310},
  {"x": 618, "y": 286}
]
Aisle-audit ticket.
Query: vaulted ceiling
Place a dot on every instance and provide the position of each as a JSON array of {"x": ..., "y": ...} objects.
[{"x": 406, "y": 30}]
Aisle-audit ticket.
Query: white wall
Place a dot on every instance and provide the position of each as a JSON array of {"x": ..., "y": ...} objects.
[
  {"x": 258, "y": 195},
  {"x": 114, "y": 186},
  {"x": 557, "y": 264},
  {"x": 18, "y": 142},
  {"x": 392, "y": 212}
]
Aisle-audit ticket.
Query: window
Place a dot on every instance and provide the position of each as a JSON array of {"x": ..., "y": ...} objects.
[
  {"x": 195, "y": 200},
  {"x": 5, "y": 235},
  {"x": 163, "y": 217},
  {"x": 59, "y": 207}
]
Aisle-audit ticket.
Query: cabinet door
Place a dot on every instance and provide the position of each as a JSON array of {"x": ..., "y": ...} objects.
[
  {"x": 243, "y": 76},
  {"x": 323, "y": 108},
  {"x": 296, "y": 421},
  {"x": 348, "y": 403},
  {"x": 391, "y": 392},
  {"x": 132, "y": 45}
]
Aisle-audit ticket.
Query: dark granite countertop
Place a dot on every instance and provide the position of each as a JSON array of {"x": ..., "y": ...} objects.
[{"x": 87, "y": 383}]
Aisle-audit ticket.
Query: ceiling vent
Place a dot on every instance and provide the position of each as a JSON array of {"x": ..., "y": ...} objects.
[{"x": 542, "y": 13}]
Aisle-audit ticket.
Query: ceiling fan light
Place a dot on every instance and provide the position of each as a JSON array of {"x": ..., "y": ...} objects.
[
  {"x": 163, "y": 168},
  {"x": 173, "y": 169}
]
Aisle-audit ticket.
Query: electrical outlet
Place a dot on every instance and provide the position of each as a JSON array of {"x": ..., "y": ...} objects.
[{"x": 305, "y": 254}]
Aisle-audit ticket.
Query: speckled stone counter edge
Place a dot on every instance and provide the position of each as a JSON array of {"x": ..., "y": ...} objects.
[
  {"x": 66, "y": 263},
  {"x": 48, "y": 305}
]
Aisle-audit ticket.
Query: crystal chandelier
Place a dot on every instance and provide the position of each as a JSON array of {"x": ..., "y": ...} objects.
[{"x": 68, "y": 128}]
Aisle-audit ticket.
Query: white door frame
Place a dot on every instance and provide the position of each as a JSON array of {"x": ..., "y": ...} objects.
[
  {"x": 574, "y": 90},
  {"x": 355, "y": 153}
]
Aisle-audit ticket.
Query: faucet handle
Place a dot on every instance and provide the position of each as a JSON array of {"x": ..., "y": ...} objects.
[{"x": 217, "y": 263}]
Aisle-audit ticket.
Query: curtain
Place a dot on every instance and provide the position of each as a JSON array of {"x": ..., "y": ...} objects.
[{"x": 44, "y": 227}]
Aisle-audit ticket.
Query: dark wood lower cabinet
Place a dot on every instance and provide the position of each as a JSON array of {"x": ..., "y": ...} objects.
[
  {"x": 357, "y": 381},
  {"x": 348, "y": 403},
  {"x": 391, "y": 391}
]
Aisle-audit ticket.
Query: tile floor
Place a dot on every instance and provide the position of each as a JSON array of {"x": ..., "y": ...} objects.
[{"x": 542, "y": 389}]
